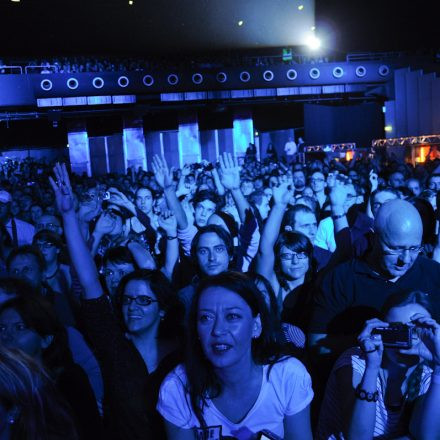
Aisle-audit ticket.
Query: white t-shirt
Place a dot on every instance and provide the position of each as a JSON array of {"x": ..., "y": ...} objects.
[
  {"x": 287, "y": 391},
  {"x": 325, "y": 235},
  {"x": 389, "y": 424},
  {"x": 290, "y": 148}
]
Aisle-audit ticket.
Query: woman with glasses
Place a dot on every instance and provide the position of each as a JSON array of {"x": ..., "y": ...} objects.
[
  {"x": 389, "y": 386},
  {"x": 285, "y": 260},
  {"x": 134, "y": 347}
]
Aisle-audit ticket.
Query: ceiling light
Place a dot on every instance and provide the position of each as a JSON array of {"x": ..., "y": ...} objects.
[{"x": 313, "y": 42}]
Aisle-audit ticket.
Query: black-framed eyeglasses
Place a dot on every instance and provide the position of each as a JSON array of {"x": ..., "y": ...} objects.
[
  {"x": 291, "y": 256},
  {"x": 140, "y": 300}
]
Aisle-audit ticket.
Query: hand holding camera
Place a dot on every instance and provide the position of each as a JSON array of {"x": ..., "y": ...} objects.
[
  {"x": 371, "y": 343},
  {"x": 425, "y": 339}
]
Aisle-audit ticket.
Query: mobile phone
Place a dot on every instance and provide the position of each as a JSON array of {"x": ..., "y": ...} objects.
[
  {"x": 106, "y": 196},
  {"x": 397, "y": 335},
  {"x": 209, "y": 167}
]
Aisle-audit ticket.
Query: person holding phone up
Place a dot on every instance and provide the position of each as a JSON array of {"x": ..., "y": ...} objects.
[{"x": 381, "y": 390}]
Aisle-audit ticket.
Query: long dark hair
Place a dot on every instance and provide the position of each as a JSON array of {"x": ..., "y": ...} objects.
[
  {"x": 38, "y": 314},
  {"x": 41, "y": 413},
  {"x": 203, "y": 383}
]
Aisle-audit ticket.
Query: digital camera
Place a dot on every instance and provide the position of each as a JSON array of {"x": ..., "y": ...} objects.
[{"x": 397, "y": 335}]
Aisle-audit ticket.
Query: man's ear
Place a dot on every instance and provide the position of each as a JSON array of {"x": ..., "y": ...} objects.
[
  {"x": 258, "y": 328},
  {"x": 46, "y": 341}
]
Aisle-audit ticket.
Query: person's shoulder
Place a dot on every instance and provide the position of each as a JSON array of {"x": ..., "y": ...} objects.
[
  {"x": 175, "y": 378},
  {"x": 427, "y": 263},
  {"x": 287, "y": 366},
  {"x": 346, "y": 268},
  {"x": 23, "y": 224}
]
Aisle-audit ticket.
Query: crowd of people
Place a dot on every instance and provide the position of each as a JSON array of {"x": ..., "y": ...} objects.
[
  {"x": 241, "y": 299},
  {"x": 81, "y": 64}
]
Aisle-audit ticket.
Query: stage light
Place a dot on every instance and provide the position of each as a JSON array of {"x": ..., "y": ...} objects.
[
  {"x": 300, "y": 7},
  {"x": 240, "y": 23},
  {"x": 313, "y": 42},
  {"x": 388, "y": 128},
  {"x": 130, "y": 2},
  {"x": 15, "y": 1}
]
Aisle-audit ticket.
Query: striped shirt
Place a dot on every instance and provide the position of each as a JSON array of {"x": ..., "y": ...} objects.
[{"x": 389, "y": 424}]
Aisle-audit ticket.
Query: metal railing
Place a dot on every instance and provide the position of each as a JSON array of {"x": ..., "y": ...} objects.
[
  {"x": 51, "y": 68},
  {"x": 11, "y": 69}
]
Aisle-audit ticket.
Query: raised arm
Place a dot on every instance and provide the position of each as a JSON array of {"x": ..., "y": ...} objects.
[
  {"x": 266, "y": 257},
  {"x": 81, "y": 258},
  {"x": 167, "y": 221},
  {"x": 164, "y": 178},
  {"x": 360, "y": 413},
  {"x": 217, "y": 182},
  {"x": 230, "y": 179},
  {"x": 338, "y": 195}
]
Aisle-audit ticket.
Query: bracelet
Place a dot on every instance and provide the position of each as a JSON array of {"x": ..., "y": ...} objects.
[
  {"x": 338, "y": 216},
  {"x": 365, "y": 395},
  {"x": 171, "y": 238}
]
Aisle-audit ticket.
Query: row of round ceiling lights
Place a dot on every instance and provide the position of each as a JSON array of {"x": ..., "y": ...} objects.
[{"x": 221, "y": 77}]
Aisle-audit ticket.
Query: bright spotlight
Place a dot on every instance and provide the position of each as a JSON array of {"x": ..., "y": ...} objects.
[
  {"x": 240, "y": 23},
  {"x": 313, "y": 42}
]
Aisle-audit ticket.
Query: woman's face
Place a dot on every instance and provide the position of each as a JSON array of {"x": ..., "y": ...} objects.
[
  {"x": 405, "y": 314},
  {"x": 144, "y": 200},
  {"x": 14, "y": 333},
  {"x": 225, "y": 326},
  {"x": 48, "y": 250},
  {"x": 294, "y": 265},
  {"x": 140, "y": 318},
  {"x": 113, "y": 214}
]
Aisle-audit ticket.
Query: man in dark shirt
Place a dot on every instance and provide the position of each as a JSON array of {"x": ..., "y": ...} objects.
[{"x": 354, "y": 291}]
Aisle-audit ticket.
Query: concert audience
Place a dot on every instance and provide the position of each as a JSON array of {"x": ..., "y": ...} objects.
[{"x": 249, "y": 263}]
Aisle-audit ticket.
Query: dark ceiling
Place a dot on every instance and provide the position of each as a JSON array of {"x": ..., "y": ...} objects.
[{"x": 170, "y": 27}]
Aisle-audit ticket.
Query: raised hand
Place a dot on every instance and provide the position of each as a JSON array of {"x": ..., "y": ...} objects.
[
  {"x": 373, "y": 177},
  {"x": 283, "y": 192},
  {"x": 370, "y": 344},
  {"x": 105, "y": 224},
  {"x": 62, "y": 189},
  {"x": 186, "y": 170},
  {"x": 120, "y": 199},
  {"x": 338, "y": 195},
  {"x": 167, "y": 221},
  {"x": 229, "y": 171},
  {"x": 426, "y": 339},
  {"x": 163, "y": 175}
]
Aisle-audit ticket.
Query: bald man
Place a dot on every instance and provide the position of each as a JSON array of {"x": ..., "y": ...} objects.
[{"x": 354, "y": 291}]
